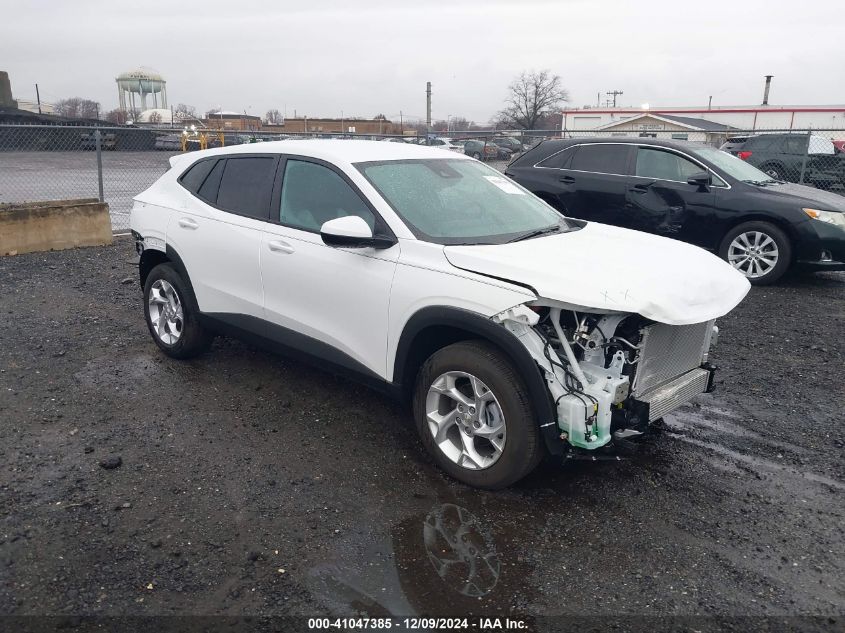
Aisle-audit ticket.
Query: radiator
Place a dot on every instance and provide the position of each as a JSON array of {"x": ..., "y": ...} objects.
[{"x": 669, "y": 351}]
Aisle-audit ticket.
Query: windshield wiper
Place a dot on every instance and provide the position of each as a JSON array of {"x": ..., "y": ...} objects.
[
  {"x": 762, "y": 183},
  {"x": 554, "y": 228}
]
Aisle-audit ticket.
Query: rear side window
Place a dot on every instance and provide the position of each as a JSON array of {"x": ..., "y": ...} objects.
[
  {"x": 209, "y": 187},
  {"x": 603, "y": 158},
  {"x": 193, "y": 178},
  {"x": 247, "y": 186},
  {"x": 759, "y": 143},
  {"x": 561, "y": 160}
]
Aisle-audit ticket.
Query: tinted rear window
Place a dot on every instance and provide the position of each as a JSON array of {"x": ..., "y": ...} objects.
[
  {"x": 603, "y": 158},
  {"x": 195, "y": 176},
  {"x": 208, "y": 190},
  {"x": 561, "y": 160},
  {"x": 247, "y": 185}
]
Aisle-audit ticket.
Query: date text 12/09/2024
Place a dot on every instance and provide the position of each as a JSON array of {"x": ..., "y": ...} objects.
[{"x": 413, "y": 624}]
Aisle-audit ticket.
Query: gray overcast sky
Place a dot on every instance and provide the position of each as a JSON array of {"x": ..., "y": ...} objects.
[{"x": 321, "y": 57}]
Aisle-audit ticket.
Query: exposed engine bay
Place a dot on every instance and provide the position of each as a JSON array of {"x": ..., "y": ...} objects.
[{"x": 611, "y": 375}]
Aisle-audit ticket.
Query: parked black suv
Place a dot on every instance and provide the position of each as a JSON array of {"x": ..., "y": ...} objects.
[
  {"x": 694, "y": 193},
  {"x": 786, "y": 156}
]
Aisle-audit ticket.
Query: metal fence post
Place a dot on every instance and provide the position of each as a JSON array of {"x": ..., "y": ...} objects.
[
  {"x": 99, "y": 146},
  {"x": 804, "y": 158}
]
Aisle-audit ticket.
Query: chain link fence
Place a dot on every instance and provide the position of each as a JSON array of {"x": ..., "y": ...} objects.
[{"x": 114, "y": 164}]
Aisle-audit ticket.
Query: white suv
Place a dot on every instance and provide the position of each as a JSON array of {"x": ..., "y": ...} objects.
[{"x": 514, "y": 331}]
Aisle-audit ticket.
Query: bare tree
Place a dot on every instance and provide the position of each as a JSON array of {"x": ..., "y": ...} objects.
[
  {"x": 116, "y": 116},
  {"x": 274, "y": 117},
  {"x": 77, "y": 108},
  {"x": 186, "y": 110},
  {"x": 531, "y": 96},
  {"x": 155, "y": 117}
]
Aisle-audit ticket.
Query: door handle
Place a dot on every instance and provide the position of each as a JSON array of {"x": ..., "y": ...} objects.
[
  {"x": 566, "y": 179},
  {"x": 639, "y": 188},
  {"x": 278, "y": 246},
  {"x": 188, "y": 223}
]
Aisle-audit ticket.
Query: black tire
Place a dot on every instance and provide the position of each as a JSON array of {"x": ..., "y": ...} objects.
[
  {"x": 522, "y": 450},
  {"x": 194, "y": 339},
  {"x": 476, "y": 155},
  {"x": 780, "y": 239}
]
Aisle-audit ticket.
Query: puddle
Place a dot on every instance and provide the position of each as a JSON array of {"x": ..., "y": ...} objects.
[
  {"x": 760, "y": 463},
  {"x": 446, "y": 562},
  {"x": 720, "y": 420}
]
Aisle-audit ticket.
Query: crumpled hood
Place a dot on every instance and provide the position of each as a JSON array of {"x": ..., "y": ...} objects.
[{"x": 609, "y": 268}]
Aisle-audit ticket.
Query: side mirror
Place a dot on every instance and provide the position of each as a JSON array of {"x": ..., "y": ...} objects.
[
  {"x": 352, "y": 231},
  {"x": 702, "y": 179}
]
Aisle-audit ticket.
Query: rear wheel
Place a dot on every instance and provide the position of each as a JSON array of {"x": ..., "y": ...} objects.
[
  {"x": 476, "y": 155},
  {"x": 172, "y": 314},
  {"x": 474, "y": 417},
  {"x": 759, "y": 250}
]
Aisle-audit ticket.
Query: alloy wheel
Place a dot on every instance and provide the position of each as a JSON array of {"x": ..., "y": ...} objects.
[
  {"x": 466, "y": 420},
  {"x": 753, "y": 253},
  {"x": 166, "y": 313}
]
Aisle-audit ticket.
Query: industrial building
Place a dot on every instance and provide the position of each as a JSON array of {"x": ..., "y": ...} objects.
[
  {"x": 760, "y": 118},
  {"x": 229, "y": 120},
  {"x": 306, "y": 125}
]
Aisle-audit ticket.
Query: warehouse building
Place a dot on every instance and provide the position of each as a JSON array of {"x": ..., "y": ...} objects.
[{"x": 757, "y": 118}]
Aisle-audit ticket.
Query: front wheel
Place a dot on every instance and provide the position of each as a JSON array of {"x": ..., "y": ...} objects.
[
  {"x": 172, "y": 314},
  {"x": 474, "y": 416},
  {"x": 759, "y": 250}
]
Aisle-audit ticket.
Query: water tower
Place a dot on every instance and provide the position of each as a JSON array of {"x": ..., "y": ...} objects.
[{"x": 141, "y": 84}]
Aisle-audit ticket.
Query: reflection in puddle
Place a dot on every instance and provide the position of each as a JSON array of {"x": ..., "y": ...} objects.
[
  {"x": 462, "y": 552},
  {"x": 442, "y": 562}
]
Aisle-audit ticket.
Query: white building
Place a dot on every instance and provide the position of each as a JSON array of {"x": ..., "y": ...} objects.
[
  {"x": 827, "y": 120},
  {"x": 32, "y": 106}
]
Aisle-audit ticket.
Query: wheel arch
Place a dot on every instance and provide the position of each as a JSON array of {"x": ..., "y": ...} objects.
[
  {"x": 435, "y": 327},
  {"x": 150, "y": 258}
]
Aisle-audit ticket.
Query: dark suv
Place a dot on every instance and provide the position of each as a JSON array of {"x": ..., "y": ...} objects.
[
  {"x": 693, "y": 193},
  {"x": 785, "y": 156}
]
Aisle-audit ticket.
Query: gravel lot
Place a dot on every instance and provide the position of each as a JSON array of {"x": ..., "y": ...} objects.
[{"x": 249, "y": 484}]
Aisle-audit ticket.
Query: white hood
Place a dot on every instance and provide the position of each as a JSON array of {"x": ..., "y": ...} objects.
[{"x": 608, "y": 268}]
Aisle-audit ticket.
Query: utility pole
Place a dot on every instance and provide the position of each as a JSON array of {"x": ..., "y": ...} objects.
[
  {"x": 766, "y": 90},
  {"x": 401, "y": 124},
  {"x": 427, "y": 107},
  {"x": 38, "y": 98},
  {"x": 710, "y": 102},
  {"x": 614, "y": 93}
]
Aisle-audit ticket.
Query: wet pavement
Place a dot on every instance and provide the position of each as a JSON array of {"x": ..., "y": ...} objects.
[{"x": 250, "y": 484}]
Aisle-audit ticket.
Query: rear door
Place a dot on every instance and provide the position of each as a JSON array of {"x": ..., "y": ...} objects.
[
  {"x": 659, "y": 200},
  {"x": 217, "y": 231},
  {"x": 591, "y": 182}
]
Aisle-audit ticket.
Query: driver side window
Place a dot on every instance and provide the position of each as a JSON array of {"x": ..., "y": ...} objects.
[
  {"x": 663, "y": 165},
  {"x": 313, "y": 194}
]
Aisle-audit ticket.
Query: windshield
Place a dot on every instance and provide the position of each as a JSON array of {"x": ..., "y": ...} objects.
[
  {"x": 731, "y": 165},
  {"x": 461, "y": 201}
]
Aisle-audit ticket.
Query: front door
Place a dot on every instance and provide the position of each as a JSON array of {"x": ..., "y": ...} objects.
[
  {"x": 659, "y": 199},
  {"x": 332, "y": 302}
]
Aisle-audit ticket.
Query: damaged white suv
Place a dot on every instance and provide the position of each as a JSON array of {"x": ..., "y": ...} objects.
[{"x": 513, "y": 331}]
